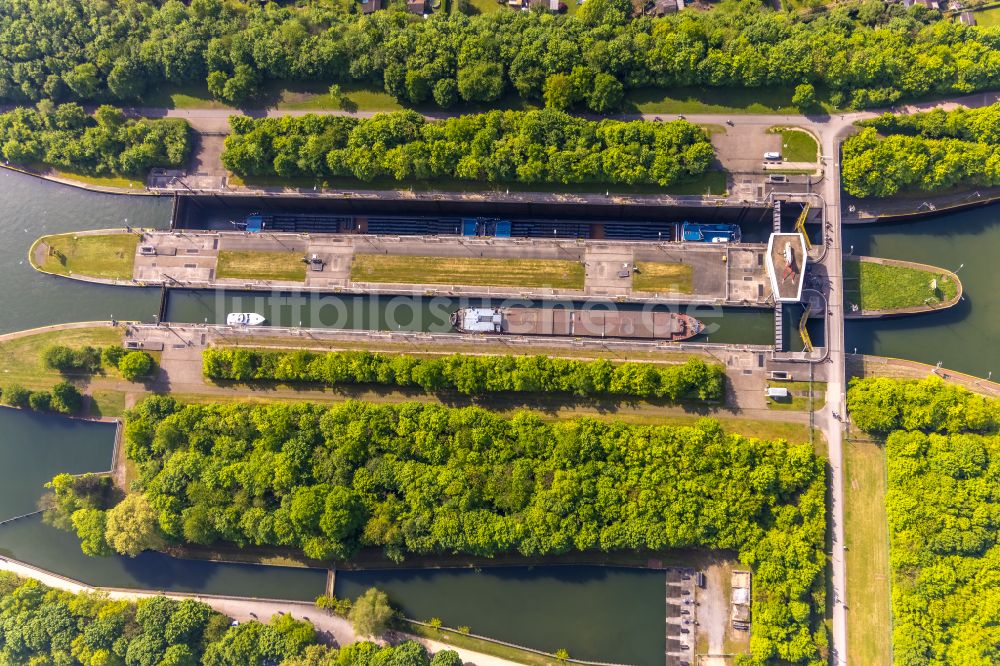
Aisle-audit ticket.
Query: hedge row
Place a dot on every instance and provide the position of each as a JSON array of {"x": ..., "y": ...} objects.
[{"x": 471, "y": 375}]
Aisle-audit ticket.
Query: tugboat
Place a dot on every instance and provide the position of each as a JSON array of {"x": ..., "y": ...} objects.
[
  {"x": 590, "y": 323},
  {"x": 244, "y": 319}
]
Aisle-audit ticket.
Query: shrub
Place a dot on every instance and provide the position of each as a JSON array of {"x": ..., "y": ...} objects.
[
  {"x": 40, "y": 401},
  {"x": 66, "y": 398},
  {"x": 136, "y": 364},
  {"x": 16, "y": 396},
  {"x": 112, "y": 355}
]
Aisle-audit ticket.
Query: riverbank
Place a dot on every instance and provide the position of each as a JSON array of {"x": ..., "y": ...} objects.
[
  {"x": 864, "y": 365},
  {"x": 92, "y": 185}
]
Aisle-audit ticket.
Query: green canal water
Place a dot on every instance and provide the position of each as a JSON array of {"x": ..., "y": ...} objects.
[{"x": 597, "y": 613}]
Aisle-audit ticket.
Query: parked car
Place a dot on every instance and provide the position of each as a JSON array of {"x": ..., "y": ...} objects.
[{"x": 772, "y": 156}]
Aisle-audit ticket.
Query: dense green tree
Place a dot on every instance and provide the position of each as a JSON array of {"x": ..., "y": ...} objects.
[
  {"x": 496, "y": 146},
  {"x": 16, "y": 395},
  {"x": 926, "y": 152},
  {"x": 804, "y": 97},
  {"x": 107, "y": 143},
  {"x": 135, "y": 365},
  {"x": 472, "y": 375},
  {"x": 371, "y": 613},
  {"x": 869, "y": 53},
  {"x": 131, "y": 526},
  {"x": 40, "y": 401},
  {"x": 446, "y": 658},
  {"x": 66, "y": 398}
]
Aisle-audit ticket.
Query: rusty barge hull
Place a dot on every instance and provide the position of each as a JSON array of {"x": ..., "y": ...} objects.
[{"x": 599, "y": 324}]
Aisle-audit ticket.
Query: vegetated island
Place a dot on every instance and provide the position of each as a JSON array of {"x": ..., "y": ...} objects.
[{"x": 876, "y": 287}]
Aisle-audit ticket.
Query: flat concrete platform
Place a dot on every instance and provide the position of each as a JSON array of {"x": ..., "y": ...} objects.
[{"x": 721, "y": 274}]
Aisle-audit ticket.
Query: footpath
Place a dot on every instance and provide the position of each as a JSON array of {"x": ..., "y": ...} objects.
[{"x": 331, "y": 628}]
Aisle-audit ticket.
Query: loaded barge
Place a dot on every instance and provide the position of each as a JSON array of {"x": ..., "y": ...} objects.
[{"x": 669, "y": 326}]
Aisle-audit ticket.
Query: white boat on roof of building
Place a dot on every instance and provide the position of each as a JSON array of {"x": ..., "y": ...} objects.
[{"x": 786, "y": 266}]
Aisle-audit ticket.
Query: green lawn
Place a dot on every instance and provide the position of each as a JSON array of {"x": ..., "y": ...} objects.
[
  {"x": 988, "y": 18},
  {"x": 663, "y": 277},
  {"x": 183, "y": 97},
  {"x": 121, "y": 182},
  {"x": 21, "y": 358},
  {"x": 799, "y": 400},
  {"x": 869, "y": 627},
  {"x": 356, "y": 98},
  {"x": 797, "y": 145},
  {"x": 713, "y": 182},
  {"x": 252, "y": 265},
  {"x": 108, "y": 256},
  {"x": 879, "y": 287},
  {"x": 478, "y": 7},
  {"x": 715, "y": 100},
  {"x": 401, "y": 269}
]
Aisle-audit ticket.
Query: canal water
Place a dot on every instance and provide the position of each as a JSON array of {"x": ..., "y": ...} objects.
[
  {"x": 31, "y": 207},
  {"x": 417, "y": 313},
  {"x": 597, "y": 613},
  {"x": 961, "y": 338},
  {"x": 35, "y": 447}
]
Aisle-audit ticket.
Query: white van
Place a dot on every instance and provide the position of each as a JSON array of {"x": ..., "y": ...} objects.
[{"x": 772, "y": 156}]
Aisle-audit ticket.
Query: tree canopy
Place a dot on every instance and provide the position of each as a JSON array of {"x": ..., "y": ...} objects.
[
  {"x": 40, "y": 626},
  {"x": 426, "y": 479},
  {"x": 867, "y": 54},
  {"x": 545, "y": 146},
  {"x": 471, "y": 375},
  {"x": 929, "y": 152},
  {"x": 105, "y": 143},
  {"x": 881, "y": 405},
  {"x": 944, "y": 515}
]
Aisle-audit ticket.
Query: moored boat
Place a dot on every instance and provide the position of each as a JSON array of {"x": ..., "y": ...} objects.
[{"x": 244, "y": 319}]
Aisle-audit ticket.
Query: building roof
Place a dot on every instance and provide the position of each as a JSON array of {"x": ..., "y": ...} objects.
[{"x": 786, "y": 266}]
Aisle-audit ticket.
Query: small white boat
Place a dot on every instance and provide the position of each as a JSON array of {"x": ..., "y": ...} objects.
[{"x": 244, "y": 319}]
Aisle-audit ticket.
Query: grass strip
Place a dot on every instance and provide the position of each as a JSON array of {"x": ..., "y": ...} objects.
[
  {"x": 109, "y": 256},
  {"x": 459, "y": 640},
  {"x": 663, "y": 277},
  {"x": 402, "y": 269},
  {"x": 869, "y": 629},
  {"x": 254, "y": 265}
]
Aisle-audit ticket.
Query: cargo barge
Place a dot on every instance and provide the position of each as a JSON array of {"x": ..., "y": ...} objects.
[{"x": 669, "y": 326}]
